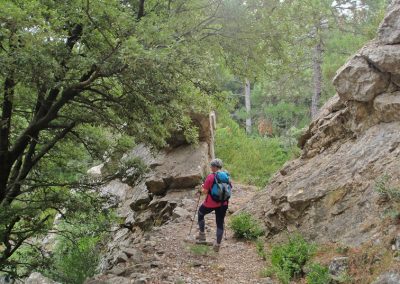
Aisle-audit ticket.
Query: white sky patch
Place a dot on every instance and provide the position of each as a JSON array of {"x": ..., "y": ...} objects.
[{"x": 346, "y": 8}]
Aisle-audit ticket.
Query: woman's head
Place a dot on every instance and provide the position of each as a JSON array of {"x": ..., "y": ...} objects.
[{"x": 216, "y": 164}]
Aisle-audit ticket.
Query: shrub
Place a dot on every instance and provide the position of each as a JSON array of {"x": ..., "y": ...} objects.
[
  {"x": 288, "y": 259},
  {"x": 318, "y": 274},
  {"x": 245, "y": 226}
]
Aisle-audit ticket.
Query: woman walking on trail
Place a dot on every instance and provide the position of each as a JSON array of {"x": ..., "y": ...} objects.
[{"x": 211, "y": 204}]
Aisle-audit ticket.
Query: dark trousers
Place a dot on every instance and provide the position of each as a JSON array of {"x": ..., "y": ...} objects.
[{"x": 220, "y": 213}]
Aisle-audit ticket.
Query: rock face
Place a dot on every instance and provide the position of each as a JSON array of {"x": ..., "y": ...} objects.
[
  {"x": 156, "y": 198},
  {"x": 329, "y": 194}
]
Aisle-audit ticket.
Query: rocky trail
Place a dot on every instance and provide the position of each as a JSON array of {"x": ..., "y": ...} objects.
[
  {"x": 164, "y": 255},
  {"x": 184, "y": 262}
]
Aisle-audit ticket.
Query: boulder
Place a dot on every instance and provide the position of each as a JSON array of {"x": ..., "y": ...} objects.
[
  {"x": 180, "y": 212},
  {"x": 116, "y": 188},
  {"x": 389, "y": 29},
  {"x": 156, "y": 184},
  {"x": 95, "y": 172},
  {"x": 182, "y": 167},
  {"x": 37, "y": 278},
  {"x": 120, "y": 258},
  {"x": 141, "y": 197},
  {"x": 385, "y": 58},
  {"x": 358, "y": 81},
  {"x": 387, "y": 106}
]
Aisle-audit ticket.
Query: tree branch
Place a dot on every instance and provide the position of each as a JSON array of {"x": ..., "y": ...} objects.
[{"x": 30, "y": 161}]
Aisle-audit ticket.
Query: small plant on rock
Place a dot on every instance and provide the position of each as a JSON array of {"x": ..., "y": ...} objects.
[
  {"x": 245, "y": 226},
  {"x": 383, "y": 187},
  {"x": 260, "y": 249},
  {"x": 318, "y": 274},
  {"x": 390, "y": 194}
]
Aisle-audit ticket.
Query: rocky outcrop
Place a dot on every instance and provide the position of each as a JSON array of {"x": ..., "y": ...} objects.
[
  {"x": 329, "y": 194},
  {"x": 156, "y": 197}
]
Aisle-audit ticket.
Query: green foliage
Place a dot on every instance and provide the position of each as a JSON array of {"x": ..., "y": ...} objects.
[
  {"x": 318, "y": 274},
  {"x": 128, "y": 169},
  {"x": 284, "y": 115},
  {"x": 261, "y": 249},
  {"x": 267, "y": 272},
  {"x": 200, "y": 249},
  {"x": 288, "y": 259},
  {"x": 383, "y": 187},
  {"x": 82, "y": 82},
  {"x": 79, "y": 228},
  {"x": 345, "y": 278},
  {"x": 76, "y": 253},
  {"x": 75, "y": 261},
  {"x": 253, "y": 159},
  {"x": 245, "y": 226}
]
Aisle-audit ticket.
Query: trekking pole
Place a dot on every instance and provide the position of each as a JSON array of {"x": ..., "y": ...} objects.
[
  {"x": 197, "y": 205},
  {"x": 225, "y": 238}
]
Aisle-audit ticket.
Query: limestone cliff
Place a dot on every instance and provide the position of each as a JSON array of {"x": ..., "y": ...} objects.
[{"x": 328, "y": 194}]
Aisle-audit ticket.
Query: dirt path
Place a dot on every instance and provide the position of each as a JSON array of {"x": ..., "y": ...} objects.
[{"x": 182, "y": 262}]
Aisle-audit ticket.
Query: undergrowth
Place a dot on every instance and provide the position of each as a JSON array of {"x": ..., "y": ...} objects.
[
  {"x": 318, "y": 274},
  {"x": 200, "y": 249},
  {"x": 288, "y": 259},
  {"x": 250, "y": 159},
  {"x": 245, "y": 226}
]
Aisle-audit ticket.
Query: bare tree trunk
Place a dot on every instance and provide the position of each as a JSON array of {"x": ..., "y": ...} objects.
[
  {"x": 213, "y": 127},
  {"x": 317, "y": 62},
  {"x": 248, "y": 106}
]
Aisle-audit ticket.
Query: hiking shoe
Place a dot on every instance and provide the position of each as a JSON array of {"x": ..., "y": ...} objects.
[
  {"x": 216, "y": 247},
  {"x": 201, "y": 237}
]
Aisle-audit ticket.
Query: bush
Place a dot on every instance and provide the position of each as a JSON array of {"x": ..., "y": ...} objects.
[
  {"x": 245, "y": 226},
  {"x": 288, "y": 259},
  {"x": 318, "y": 274}
]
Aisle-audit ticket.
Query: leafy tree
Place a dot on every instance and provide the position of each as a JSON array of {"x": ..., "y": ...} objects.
[{"x": 77, "y": 77}]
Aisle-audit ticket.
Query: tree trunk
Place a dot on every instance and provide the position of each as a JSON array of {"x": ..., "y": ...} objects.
[
  {"x": 248, "y": 106},
  {"x": 141, "y": 9},
  {"x": 317, "y": 62},
  {"x": 5, "y": 128}
]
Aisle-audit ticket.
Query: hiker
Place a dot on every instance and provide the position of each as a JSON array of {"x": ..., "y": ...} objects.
[{"x": 212, "y": 203}]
